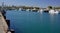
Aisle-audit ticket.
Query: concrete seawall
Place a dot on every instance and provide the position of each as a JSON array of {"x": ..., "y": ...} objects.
[{"x": 3, "y": 24}]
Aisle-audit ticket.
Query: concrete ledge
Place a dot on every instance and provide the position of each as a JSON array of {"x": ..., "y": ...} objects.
[{"x": 3, "y": 24}]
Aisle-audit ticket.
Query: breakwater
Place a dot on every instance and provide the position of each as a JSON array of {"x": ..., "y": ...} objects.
[{"x": 4, "y": 23}]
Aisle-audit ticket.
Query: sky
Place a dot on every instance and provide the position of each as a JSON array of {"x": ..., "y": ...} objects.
[{"x": 37, "y": 3}]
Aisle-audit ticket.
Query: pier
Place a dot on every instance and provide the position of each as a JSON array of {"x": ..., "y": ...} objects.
[{"x": 3, "y": 24}]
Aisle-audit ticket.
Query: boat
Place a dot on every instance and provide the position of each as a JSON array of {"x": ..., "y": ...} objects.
[
  {"x": 53, "y": 12},
  {"x": 46, "y": 10},
  {"x": 41, "y": 10}
]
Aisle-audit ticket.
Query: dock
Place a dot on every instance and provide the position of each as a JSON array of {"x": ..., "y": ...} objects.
[{"x": 3, "y": 24}]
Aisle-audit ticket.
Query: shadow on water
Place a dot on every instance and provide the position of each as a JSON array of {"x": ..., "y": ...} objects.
[{"x": 53, "y": 17}]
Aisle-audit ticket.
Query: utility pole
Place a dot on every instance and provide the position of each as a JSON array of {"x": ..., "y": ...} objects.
[
  {"x": 2, "y": 5},
  {"x": 2, "y": 8}
]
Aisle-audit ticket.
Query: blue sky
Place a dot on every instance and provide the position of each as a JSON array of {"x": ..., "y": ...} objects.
[{"x": 39, "y": 3}]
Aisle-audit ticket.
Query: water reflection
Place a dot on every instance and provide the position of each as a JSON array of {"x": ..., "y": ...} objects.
[
  {"x": 54, "y": 23},
  {"x": 41, "y": 18},
  {"x": 52, "y": 18}
]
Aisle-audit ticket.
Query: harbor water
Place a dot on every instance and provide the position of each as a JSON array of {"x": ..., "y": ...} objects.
[{"x": 33, "y": 22}]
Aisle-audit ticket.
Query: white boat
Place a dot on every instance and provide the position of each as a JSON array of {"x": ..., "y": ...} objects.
[
  {"x": 40, "y": 10},
  {"x": 19, "y": 9},
  {"x": 53, "y": 12},
  {"x": 56, "y": 12},
  {"x": 27, "y": 10}
]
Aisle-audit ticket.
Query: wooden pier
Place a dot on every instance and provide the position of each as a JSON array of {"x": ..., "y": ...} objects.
[{"x": 3, "y": 24}]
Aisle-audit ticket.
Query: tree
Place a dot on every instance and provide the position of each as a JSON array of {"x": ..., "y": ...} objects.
[{"x": 50, "y": 7}]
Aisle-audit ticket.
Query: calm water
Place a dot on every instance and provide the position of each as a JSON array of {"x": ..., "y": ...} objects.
[{"x": 34, "y": 22}]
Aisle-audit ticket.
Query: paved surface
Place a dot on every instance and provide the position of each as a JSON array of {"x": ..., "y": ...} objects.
[{"x": 3, "y": 25}]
